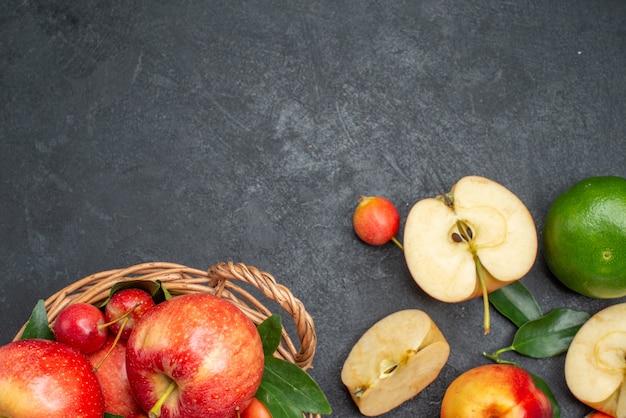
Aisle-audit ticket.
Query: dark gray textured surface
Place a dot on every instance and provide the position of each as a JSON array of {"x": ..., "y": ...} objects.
[{"x": 233, "y": 130}]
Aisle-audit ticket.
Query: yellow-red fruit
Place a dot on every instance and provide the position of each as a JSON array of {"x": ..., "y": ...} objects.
[
  {"x": 376, "y": 220},
  {"x": 495, "y": 391}
]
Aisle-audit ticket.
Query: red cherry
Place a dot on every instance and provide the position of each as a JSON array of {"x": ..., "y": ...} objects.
[
  {"x": 125, "y": 308},
  {"x": 81, "y": 326},
  {"x": 376, "y": 220}
]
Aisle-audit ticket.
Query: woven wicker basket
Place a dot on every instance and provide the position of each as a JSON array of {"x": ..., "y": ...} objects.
[{"x": 220, "y": 279}]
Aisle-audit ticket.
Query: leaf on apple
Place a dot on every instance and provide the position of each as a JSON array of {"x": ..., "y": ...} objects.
[
  {"x": 37, "y": 325},
  {"x": 286, "y": 390},
  {"x": 516, "y": 303}
]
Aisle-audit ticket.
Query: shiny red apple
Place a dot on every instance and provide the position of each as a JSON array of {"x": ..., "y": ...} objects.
[
  {"x": 43, "y": 379},
  {"x": 194, "y": 356}
]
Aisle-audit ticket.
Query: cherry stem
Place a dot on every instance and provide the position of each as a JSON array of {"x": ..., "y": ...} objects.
[
  {"x": 496, "y": 356},
  {"x": 395, "y": 241},
  {"x": 126, "y": 315},
  {"x": 155, "y": 411},
  {"x": 115, "y": 341}
]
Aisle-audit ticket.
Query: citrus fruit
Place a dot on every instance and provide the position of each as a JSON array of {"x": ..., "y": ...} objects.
[{"x": 584, "y": 237}]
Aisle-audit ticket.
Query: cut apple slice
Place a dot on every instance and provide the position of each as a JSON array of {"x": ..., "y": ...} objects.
[
  {"x": 595, "y": 364},
  {"x": 471, "y": 241},
  {"x": 394, "y": 360}
]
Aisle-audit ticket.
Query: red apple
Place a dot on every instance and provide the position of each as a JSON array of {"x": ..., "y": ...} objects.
[
  {"x": 129, "y": 305},
  {"x": 376, "y": 220},
  {"x": 81, "y": 326},
  {"x": 256, "y": 409},
  {"x": 111, "y": 373},
  {"x": 195, "y": 355},
  {"x": 42, "y": 379},
  {"x": 495, "y": 391}
]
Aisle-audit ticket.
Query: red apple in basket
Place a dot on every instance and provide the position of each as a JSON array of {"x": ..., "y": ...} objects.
[
  {"x": 110, "y": 361},
  {"x": 43, "y": 379},
  {"x": 195, "y": 355},
  {"x": 495, "y": 391}
]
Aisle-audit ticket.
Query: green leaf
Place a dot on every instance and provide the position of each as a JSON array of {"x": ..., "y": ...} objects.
[
  {"x": 516, "y": 303},
  {"x": 271, "y": 333},
  {"x": 549, "y": 335},
  {"x": 37, "y": 325},
  {"x": 275, "y": 401},
  {"x": 284, "y": 382},
  {"x": 155, "y": 289},
  {"x": 556, "y": 409},
  {"x": 109, "y": 415}
]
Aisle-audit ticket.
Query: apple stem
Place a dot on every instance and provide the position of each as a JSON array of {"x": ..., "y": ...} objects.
[
  {"x": 155, "y": 411},
  {"x": 483, "y": 286},
  {"x": 395, "y": 241}
]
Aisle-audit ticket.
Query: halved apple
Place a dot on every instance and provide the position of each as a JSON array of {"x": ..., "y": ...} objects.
[
  {"x": 595, "y": 363},
  {"x": 394, "y": 360},
  {"x": 473, "y": 240}
]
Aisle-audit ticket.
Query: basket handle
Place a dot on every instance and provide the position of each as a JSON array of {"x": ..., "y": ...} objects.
[{"x": 267, "y": 284}]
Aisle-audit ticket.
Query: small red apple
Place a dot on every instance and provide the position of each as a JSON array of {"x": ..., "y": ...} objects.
[
  {"x": 129, "y": 304},
  {"x": 42, "y": 379},
  {"x": 195, "y": 355},
  {"x": 376, "y": 220},
  {"x": 111, "y": 373},
  {"x": 495, "y": 391},
  {"x": 256, "y": 409},
  {"x": 81, "y": 326}
]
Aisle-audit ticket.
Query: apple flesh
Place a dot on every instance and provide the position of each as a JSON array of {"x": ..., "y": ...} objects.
[
  {"x": 376, "y": 220},
  {"x": 469, "y": 242},
  {"x": 595, "y": 363},
  {"x": 394, "y": 360},
  {"x": 110, "y": 361},
  {"x": 42, "y": 379},
  {"x": 195, "y": 355},
  {"x": 495, "y": 391}
]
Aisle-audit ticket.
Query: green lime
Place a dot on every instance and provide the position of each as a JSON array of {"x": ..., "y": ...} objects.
[{"x": 584, "y": 237}]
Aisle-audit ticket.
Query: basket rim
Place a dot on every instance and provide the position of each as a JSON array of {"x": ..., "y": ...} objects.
[{"x": 219, "y": 279}]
